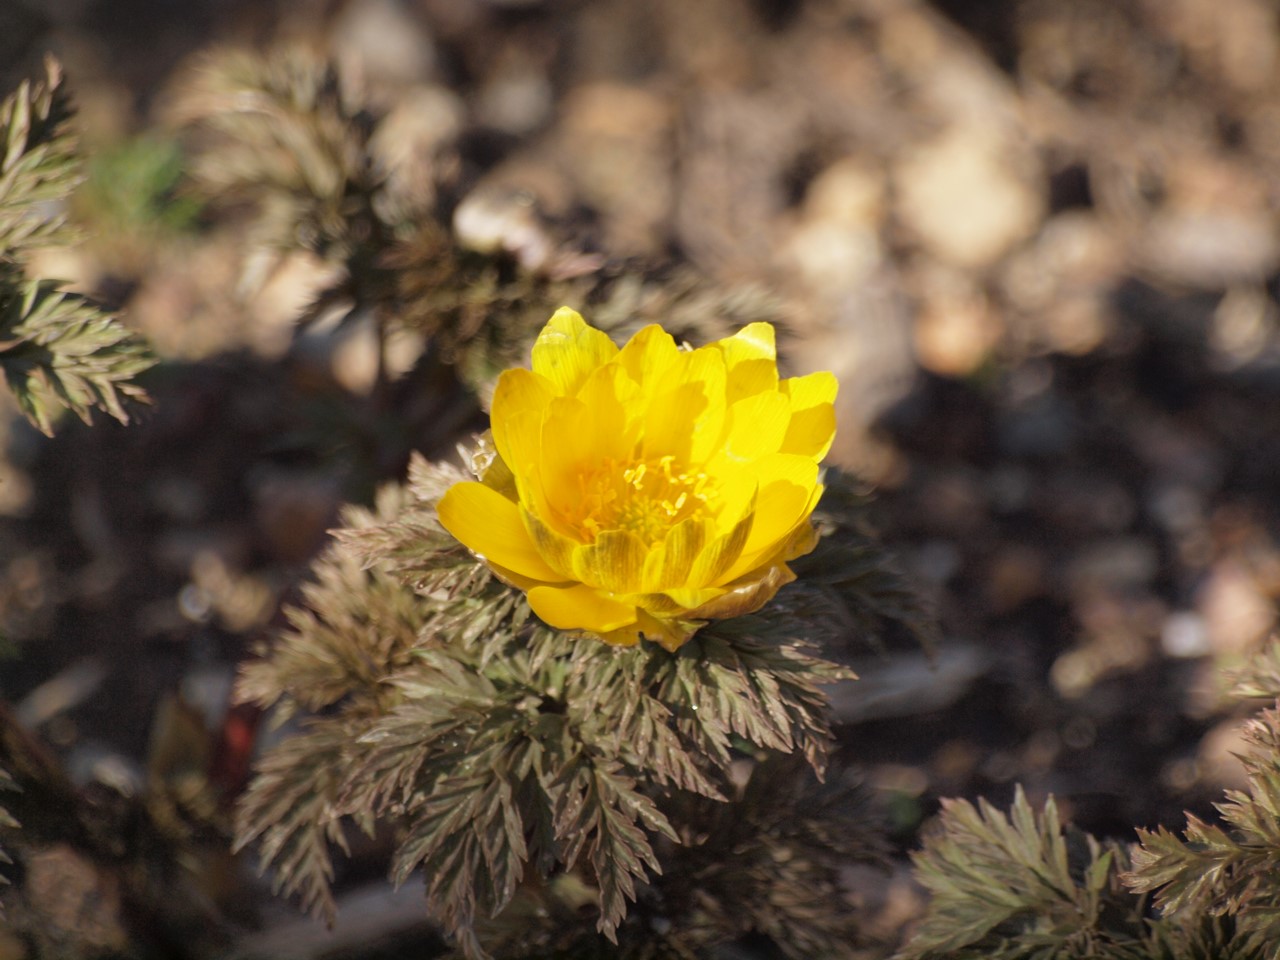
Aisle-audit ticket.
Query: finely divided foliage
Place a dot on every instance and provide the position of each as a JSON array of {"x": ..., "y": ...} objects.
[
  {"x": 1230, "y": 870},
  {"x": 38, "y": 165},
  {"x": 1017, "y": 886},
  {"x": 287, "y": 139},
  {"x": 57, "y": 350},
  {"x": 517, "y": 760},
  {"x": 6, "y": 822},
  {"x": 1021, "y": 886}
]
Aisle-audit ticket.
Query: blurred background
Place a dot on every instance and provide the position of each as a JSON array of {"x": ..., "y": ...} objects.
[{"x": 1037, "y": 242}]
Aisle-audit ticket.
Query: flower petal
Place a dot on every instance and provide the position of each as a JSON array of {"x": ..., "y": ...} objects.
[
  {"x": 669, "y": 563},
  {"x": 720, "y": 555},
  {"x": 555, "y": 548},
  {"x": 649, "y": 357},
  {"x": 670, "y": 633},
  {"x": 811, "y": 389},
  {"x": 787, "y": 484},
  {"x": 520, "y": 448},
  {"x": 613, "y": 563},
  {"x": 785, "y": 502},
  {"x": 686, "y": 419},
  {"x": 520, "y": 398},
  {"x": 745, "y": 595},
  {"x": 489, "y": 525},
  {"x": 579, "y": 437},
  {"x": 689, "y": 598},
  {"x": 757, "y": 426},
  {"x": 578, "y": 607},
  {"x": 751, "y": 358},
  {"x": 813, "y": 417},
  {"x": 567, "y": 351},
  {"x": 490, "y": 469}
]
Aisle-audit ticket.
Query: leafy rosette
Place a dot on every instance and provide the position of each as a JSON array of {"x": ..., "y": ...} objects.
[{"x": 642, "y": 491}]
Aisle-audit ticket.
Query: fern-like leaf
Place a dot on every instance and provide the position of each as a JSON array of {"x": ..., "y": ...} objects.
[
  {"x": 1260, "y": 677},
  {"x": 7, "y": 822},
  {"x": 59, "y": 350},
  {"x": 1221, "y": 870},
  {"x": 38, "y": 163},
  {"x": 1019, "y": 887},
  {"x": 290, "y": 808}
]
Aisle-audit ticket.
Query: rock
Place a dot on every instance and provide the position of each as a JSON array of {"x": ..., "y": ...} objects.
[
  {"x": 1217, "y": 758},
  {"x": 1185, "y": 634},
  {"x": 963, "y": 198},
  {"x": 383, "y": 45},
  {"x": 287, "y": 287},
  {"x": 496, "y": 218},
  {"x": 905, "y": 685},
  {"x": 830, "y": 257},
  {"x": 1059, "y": 283},
  {"x": 1114, "y": 563},
  {"x": 1211, "y": 249},
  {"x": 1236, "y": 612},
  {"x": 416, "y": 138},
  {"x": 1235, "y": 40},
  {"x": 956, "y": 329},
  {"x": 516, "y": 98},
  {"x": 615, "y": 141},
  {"x": 1242, "y": 326},
  {"x": 1015, "y": 575}
]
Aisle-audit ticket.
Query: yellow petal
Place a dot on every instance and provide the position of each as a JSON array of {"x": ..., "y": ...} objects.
[
  {"x": 686, "y": 418},
  {"x": 520, "y": 398},
  {"x": 669, "y": 564},
  {"x": 658, "y": 604},
  {"x": 671, "y": 633},
  {"x": 810, "y": 390},
  {"x": 804, "y": 538},
  {"x": 490, "y": 526},
  {"x": 518, "y": 389},
  {"x": 719, "y": 556},
  {"x": 689, "y": 598},
  {"x": 751, "y": 358},
  {"x": 610, "y": 394},
  {"x": 555, "y": 548},
  {"x": 490, "y": 469},
  {"x": 577, "y": 439},
  {"x": 614, "y": 562},
  {"x": 567, "y": 351},
  {"x": 755, "y": 341},
  {"x": 788, "y": 494},
  {"x": 745, "y": 595},
  {"x": 813, "y": 418},
  {"x": 757, "y": 426},
  {"x": 735, "y": 500},
  {"x": 521, "y": 450},
  {"x": 810, "y": 432},
  {"x": 650, "y": 356},
  {"x": 787, "y": 485},
  {"x": 578, "y": 607}
]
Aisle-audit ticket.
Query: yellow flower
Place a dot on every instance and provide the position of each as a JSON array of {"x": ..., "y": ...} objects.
[{"x": 645, "y": 490}]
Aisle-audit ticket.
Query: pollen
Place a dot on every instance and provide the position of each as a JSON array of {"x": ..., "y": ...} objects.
[{"x": 642, "y": 496}]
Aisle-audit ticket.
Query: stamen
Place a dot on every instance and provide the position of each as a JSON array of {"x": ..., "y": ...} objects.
[{"x": 643, "y": 496}]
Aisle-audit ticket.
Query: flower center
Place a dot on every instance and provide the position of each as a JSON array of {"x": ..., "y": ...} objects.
[{"x": 646, "y": 497}]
